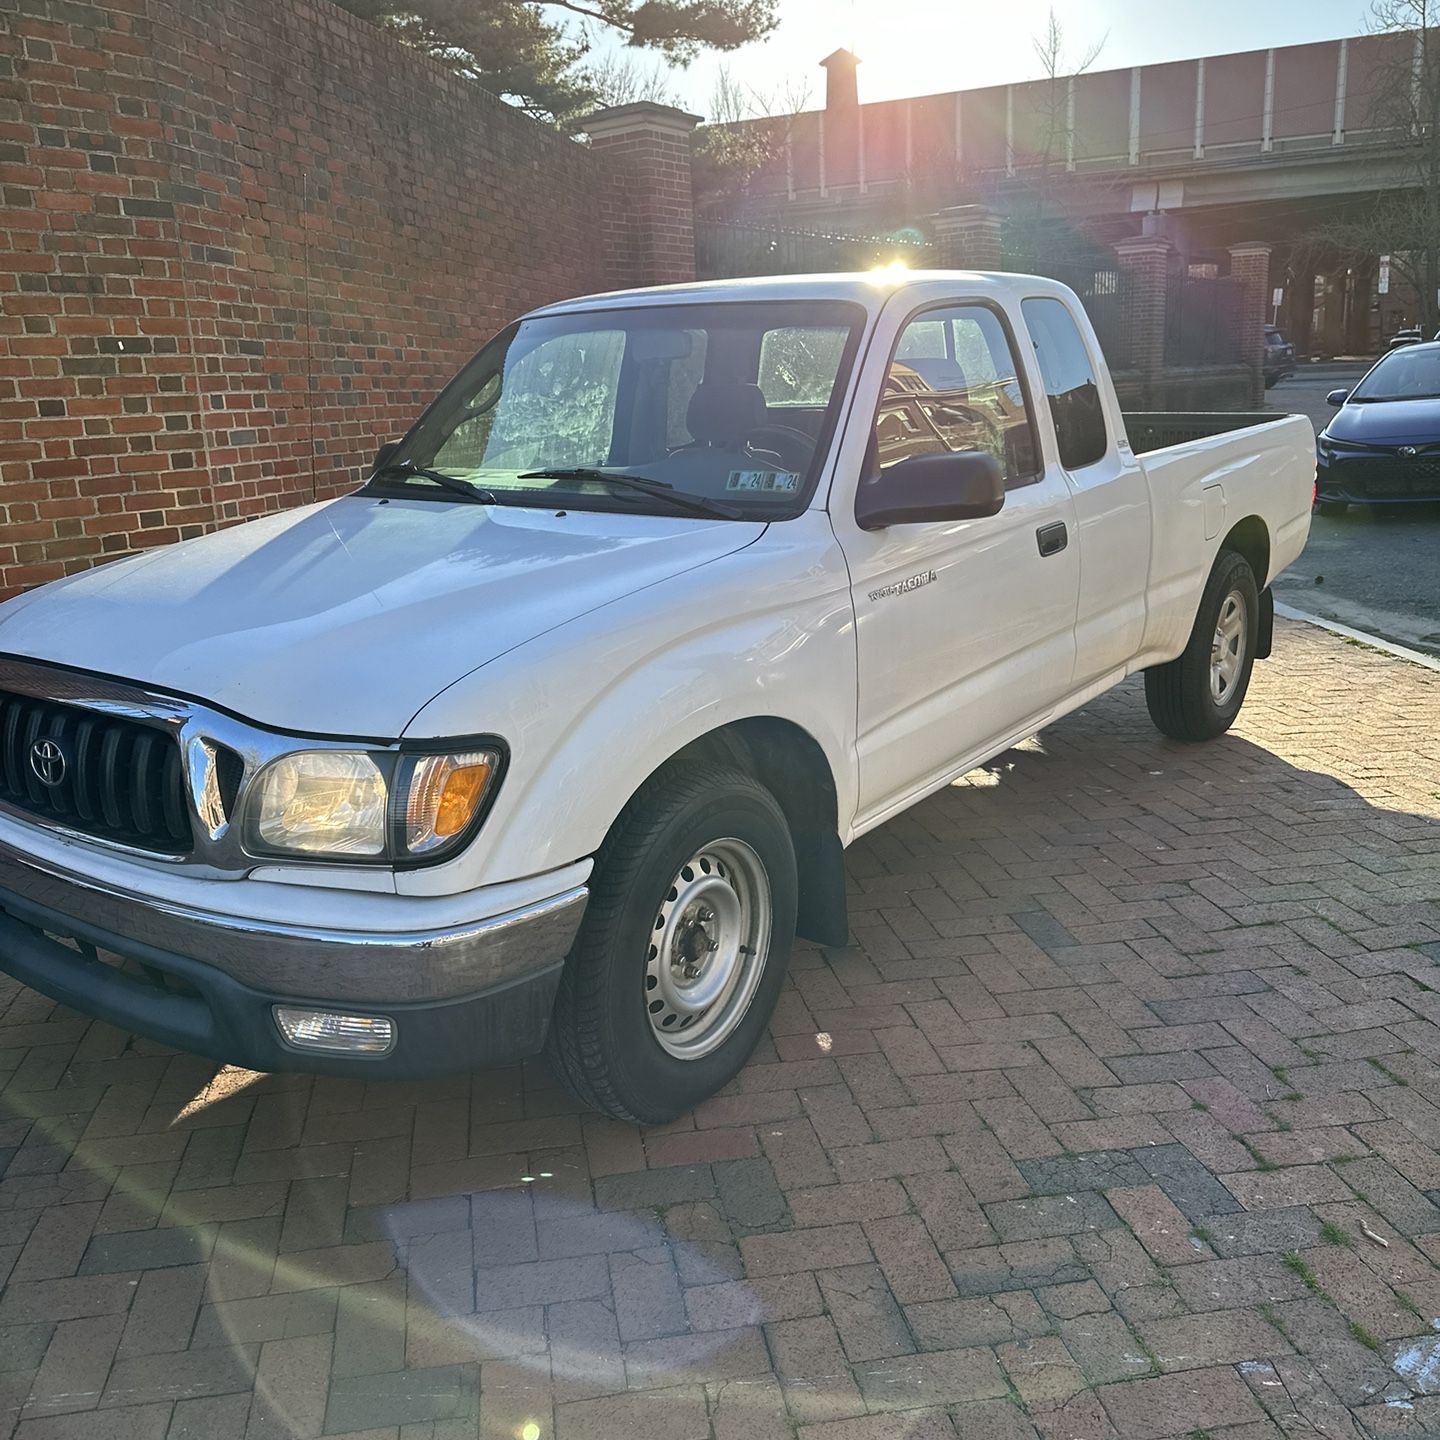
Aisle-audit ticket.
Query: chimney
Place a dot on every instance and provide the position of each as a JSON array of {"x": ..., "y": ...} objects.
[{"x": 842, "y": 87}]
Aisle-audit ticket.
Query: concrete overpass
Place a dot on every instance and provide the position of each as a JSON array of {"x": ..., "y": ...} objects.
[{"x": 1256, "y": 146}]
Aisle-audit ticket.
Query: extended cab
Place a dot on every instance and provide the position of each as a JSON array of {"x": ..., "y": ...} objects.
[{"x": 553, "y": 735}]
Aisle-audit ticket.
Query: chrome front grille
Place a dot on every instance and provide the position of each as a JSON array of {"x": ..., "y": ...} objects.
[{"x": 98, "y": 773}]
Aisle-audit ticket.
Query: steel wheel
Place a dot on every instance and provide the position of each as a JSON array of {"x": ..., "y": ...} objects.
[
  {"x": 708, "y": 949},
  {"x": 1227, "y": 649}
]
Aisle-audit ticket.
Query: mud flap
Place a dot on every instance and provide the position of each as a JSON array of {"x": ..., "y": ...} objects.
[{"x": 1265, "y": 637}]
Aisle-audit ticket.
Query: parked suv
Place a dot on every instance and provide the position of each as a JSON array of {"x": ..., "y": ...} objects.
[{"x": 1279, "y": 357}]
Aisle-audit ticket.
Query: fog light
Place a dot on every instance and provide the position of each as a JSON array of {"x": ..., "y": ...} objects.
[{"x": 325, "y": 1030}]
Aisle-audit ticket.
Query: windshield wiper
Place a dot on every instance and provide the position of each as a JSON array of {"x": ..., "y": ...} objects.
[
  {"x": 453, "y": 484},
  {"x": 638, "y": 484}
]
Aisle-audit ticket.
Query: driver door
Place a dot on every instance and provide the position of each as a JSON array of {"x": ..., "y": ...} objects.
[{"x": 965, "y": 630}]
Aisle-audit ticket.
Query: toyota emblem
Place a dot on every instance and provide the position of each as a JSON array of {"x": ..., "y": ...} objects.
[
  {"x": 47, "y": 760},
  {"x": 1409, "y": 451}
]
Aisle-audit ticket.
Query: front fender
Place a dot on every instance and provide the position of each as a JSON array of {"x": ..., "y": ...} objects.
[{"x": 595, "y": 707}]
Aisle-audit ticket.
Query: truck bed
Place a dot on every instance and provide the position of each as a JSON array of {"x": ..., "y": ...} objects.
[{"x": 1159, "y": 429}]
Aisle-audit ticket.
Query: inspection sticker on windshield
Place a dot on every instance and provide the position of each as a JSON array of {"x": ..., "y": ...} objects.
[{"x": 782, "y": 481}]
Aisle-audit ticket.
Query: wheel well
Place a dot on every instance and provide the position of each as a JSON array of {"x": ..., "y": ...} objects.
[
  {"x": 1251, "y": 539},
  {"x": 789, "y": 762}
]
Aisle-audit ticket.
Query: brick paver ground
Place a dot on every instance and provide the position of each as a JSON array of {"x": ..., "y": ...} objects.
[{"x": 1120, "y": 1118}]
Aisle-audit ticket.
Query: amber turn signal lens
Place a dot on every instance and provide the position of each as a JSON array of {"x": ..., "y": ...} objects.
[
  {"x": 445, "y": 794},
  {"x": 461, "y": 797}
]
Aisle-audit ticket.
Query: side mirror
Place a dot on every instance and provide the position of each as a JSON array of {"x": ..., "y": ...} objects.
[
  {"x": 385, "y": 454},
  {"x": 966, "y": 486},
  {"x": 1337, "y": 398}
]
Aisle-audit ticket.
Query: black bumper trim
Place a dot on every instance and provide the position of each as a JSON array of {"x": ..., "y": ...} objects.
[{"x": 234, "y": 1023}]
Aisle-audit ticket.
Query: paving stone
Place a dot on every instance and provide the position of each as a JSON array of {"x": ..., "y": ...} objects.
[
  {"x": 674, "y": 1413},
  {"x": 1236, "y": 1284},
  {"x": 978, "y": 1320},
  {"x": 1104, "y": 1348},
  {"x": 1227, "y": 1337},
  {"x": 734, "y": 1304},
  {"x": 1262, "y": 1232},
  {"x": 1050, "y": 1215},
  {"x": 1192, "y": 1189},
  {"x": 648, "y": 1303},
  {"x": 823, "y": 1248},
  {"x": 148, "y": 1249},
  {"x": 1099, "y": 1170},
  {"x": 947, "y": 1377},
  {"x": 749, "y": 1195},
  {"x": 77, "y": 1361},
  {"x": 648, "y": 1188},
  {"x": 405, "y": 1397},
  {"x": 681, "y": 1359},
  {"x": 1158, "y": 1225},
  {"x": 1019, "y": 1266},
  {"x": 865, "y": 1313},
  {"x": 1042, "y": 1371},
  {"x": 912, "y": 1265},
  {"x": 1206, "y": 1399},
  {"x": 541, "y": 1283}
]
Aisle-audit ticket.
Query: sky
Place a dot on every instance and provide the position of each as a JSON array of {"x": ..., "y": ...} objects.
[{"x": 923, "y": 47}]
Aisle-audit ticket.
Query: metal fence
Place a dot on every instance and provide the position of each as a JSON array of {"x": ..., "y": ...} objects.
[
  {"x": 1202, "y": 320},
  {"x": 725, "y": 250}
]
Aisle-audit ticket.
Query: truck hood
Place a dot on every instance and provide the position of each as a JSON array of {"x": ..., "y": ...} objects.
[{"x": 346, "y": 618}]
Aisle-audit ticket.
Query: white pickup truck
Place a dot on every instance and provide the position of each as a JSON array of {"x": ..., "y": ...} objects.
[{"x": 553, "y": 735}]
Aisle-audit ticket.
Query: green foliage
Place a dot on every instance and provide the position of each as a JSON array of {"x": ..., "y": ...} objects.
[
  {"x": 1364, "y": 1336},
  {"x": 1332, "y": 1234},
  {"x": 1295, "y": 1262},
  {"x": 519, "y": 51}
]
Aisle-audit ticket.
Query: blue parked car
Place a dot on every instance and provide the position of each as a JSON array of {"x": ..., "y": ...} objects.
[{"x": 1383, "y": 445}]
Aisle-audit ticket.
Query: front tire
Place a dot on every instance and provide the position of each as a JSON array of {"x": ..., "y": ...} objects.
[
  {"x": 1198, "y": 695},
  {"x": 683, "y": 949}
]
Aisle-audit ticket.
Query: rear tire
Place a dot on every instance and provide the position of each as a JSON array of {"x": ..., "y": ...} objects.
[
  {"x": 1198, "y": 695},
  {"x": 682, "y": 953}
]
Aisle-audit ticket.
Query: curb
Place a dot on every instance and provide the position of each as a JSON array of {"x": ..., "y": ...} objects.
[{"x": 1401, "y": 652}]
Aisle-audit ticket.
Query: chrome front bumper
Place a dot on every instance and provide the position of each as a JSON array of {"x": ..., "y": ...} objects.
[
  {"x": 353, "y": 965},
  {"x": 458, "y": 998}
]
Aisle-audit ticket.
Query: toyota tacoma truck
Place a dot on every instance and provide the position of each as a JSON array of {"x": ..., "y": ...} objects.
[{"x": 552, "y": 735}]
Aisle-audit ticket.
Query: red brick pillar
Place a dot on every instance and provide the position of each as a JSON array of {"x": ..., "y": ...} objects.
[
  {"x": 1146, "y": 260},
  {"x": 647, "y": 225},
  {"x": 967, "y": 237},
  {"x": 1250, "y": 264}
]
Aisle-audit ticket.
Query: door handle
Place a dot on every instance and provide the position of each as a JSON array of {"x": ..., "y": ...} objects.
[{"x": 1052, "y": 538}]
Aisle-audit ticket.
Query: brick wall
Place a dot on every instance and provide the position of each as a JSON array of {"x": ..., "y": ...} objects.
[{"x": 241, "y": 242}]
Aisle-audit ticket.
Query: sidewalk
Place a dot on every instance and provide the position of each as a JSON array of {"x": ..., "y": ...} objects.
[{"x": 1120, "y": 1119}]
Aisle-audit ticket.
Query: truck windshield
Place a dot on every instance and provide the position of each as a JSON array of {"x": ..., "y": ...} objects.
[
  {"x": 730, "y": 403},
  {"x": 1410, "y": 374}
]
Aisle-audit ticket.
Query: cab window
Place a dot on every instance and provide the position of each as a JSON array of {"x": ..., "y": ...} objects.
[
  {"x": 1070, "y": 384},
  {"x": 953, "y": 385}
]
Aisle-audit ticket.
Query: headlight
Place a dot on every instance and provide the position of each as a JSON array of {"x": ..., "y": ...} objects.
[
  {"x": 1323, "y": 448},
  {"x": 366, "y": 805}
]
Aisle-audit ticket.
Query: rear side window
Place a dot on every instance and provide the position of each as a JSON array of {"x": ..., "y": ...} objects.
[{"x": 1070, "y": 382}]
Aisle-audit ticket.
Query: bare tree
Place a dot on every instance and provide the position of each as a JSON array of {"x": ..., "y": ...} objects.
[
  {"x": 1402, "y": 221},
  {"x": 621, "y": 79},
  {"x": 746, "y": 129},
  {"x": 1037, "y": 223}
]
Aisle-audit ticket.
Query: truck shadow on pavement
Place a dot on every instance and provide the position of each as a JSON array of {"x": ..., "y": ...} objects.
[{"x": 1120, "y": 1116}]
